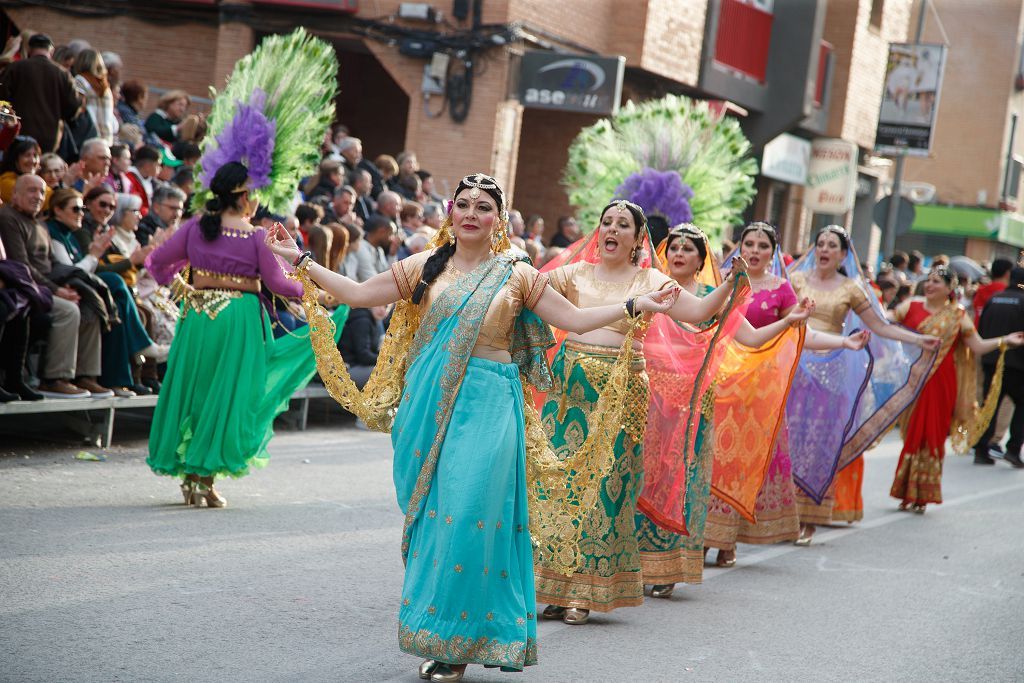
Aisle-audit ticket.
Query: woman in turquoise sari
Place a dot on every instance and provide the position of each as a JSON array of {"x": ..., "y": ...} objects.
[{"x": 449, "y": 386}]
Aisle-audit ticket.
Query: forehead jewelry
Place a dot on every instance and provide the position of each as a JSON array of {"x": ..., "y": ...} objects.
[{"x": 478, "y": 182}]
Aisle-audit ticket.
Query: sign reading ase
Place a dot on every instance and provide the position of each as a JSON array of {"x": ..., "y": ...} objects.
[{"x": 549, "y": 80}]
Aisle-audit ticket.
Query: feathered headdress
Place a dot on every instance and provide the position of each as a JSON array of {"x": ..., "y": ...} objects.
[
  {"x": 672, "y": 156},
  {"x": 271, "y": 120}
]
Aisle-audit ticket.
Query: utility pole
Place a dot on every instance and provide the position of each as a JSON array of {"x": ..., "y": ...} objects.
[{"x": 889, "y": 232}]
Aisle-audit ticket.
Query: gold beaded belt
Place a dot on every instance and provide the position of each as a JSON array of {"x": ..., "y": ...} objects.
[
  {"x": 252, "y": 282},
  {"x": 209, "y": 301}
]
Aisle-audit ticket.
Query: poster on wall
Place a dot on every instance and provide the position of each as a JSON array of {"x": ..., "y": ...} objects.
[
  {"x": 910, "y": 100},
  {"x": 831, "y": 177}
]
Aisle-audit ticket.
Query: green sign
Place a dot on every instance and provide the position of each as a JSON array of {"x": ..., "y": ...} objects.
[{"x": 966, "y": 221}]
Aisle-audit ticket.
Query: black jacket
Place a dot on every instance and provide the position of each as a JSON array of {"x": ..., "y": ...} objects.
[
  {"x": 1003, "y": 314},
  {"x": 360, "y": 338}
]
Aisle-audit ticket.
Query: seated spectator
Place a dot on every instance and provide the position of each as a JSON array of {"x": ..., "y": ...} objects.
[
  {"x": 433, "y": 216},
  {"x": 387, "y": 167},
  {"x": 427, "y": 186},
  {"x": 187, "y": 152},
  {"x": 325, "y": 181},
  {"x": 53, "y": 169},
  {"x": 360, "y": 341},
  {"x": 124, "y": 341},
  {"x": 316, "y": 237},
  {"x": 171, "y": 112},
  {"x": 406, "y": 182},
  {"x": 41, "y": 92},
  {"x": 169, "y": 165},
  {"x": 351, "y": 151},
  {"x": 184, "y": 180},
  {"x": 888, "y": 286},
  {"x": 534, "y": 229},
  {"x": 120, "y": 162},
  {"x": 566, "y": 233},
  {"x": 415, "y": 244},
  {"x": 373, "y": 248},
  {"x": 517, "y": 228},
  {"x": 91, "y": 78},
  {"x": 126, "y": 256},
  {"x": 410, "y": 222},
  {"x": 20, "y": 158},
  {"x": 73, "y": 347},
  {"x": 22, "y": 303},
  {"x": 143, "y": 174},
  {"x": 164, "y": 213},
  {"x": 389, "y": 205},
  {"x": 129, "y": 108},
  {"x": 898, "y": 261},
  {"x": 350, "y": 264},
  {"x": 365, "y": 206},
  {"x": 341, "y": 210},
  {"x": 93, "y": 165},
  {"x": 115, "y": 68}
]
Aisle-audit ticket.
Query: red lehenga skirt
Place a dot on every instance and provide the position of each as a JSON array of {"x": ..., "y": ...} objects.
[{"x": 919, "y": 473}]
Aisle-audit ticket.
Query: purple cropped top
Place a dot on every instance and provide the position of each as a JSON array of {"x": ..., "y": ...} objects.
[{"x": 233, "y": 253}]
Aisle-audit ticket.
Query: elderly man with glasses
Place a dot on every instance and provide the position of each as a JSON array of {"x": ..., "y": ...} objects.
[{"x": 165, "y": 212}]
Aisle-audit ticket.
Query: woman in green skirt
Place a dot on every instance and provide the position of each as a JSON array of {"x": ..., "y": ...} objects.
[{"x": 227, "y": 377}]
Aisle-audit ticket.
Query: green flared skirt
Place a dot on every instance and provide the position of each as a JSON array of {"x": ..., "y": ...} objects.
[
  {"x": 610, "y": 573},
  {"x": 227, "y": 379}
]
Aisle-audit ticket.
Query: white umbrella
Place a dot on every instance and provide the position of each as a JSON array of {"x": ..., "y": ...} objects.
[{"x": 967, "y": 267}]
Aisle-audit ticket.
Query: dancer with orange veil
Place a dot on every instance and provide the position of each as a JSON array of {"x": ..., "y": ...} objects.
[
  {"x": 740, "y": 414},
  {"x": 615, "y": 261}
]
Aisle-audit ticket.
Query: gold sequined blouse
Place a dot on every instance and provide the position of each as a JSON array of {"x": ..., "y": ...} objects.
[
  {"x": 578, "y": 283},
  {"x": 524, "y": 288},
  {"x": 830, "y": 306}
]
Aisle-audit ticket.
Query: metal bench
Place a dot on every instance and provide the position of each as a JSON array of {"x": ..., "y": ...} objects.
[{"x": 93, "y": 418}]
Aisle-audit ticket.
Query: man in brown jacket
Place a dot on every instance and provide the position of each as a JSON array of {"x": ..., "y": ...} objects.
[{"x": 42, "y": 93}]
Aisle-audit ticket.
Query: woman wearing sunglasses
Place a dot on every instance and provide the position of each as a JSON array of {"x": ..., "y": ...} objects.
[{"x": 81, "y": 235}]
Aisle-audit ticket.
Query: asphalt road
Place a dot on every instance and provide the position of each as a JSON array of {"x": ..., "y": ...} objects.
[{"x": 106, "y": 576}]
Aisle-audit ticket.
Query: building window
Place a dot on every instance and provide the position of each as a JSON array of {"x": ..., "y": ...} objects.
[
  {"x": 744, "y": 37},
  {"x": 877, "y": 10},
  {"x": 1013, "y": 178},
  {"x": 824, "y": 67}
]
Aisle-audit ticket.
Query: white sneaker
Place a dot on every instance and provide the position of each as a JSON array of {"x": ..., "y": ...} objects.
[{"x": 156, "y": 352}]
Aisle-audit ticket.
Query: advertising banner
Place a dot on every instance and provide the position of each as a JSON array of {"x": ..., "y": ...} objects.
[
  {"x": 552, "y": 80},
  {"x": 832, "y": 176},
  {"x": 913, "y": 80}
]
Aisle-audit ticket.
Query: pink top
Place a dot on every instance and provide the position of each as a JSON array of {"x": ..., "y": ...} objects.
[
  {"x": 767, "y": 304},
  {"x": 233, "y": 252}
]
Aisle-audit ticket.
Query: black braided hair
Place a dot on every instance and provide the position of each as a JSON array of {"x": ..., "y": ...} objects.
[
  {"x": 226, "y": 180},
  {"x": 439, "y": 259},
  {"x": 767, "y": 229}
]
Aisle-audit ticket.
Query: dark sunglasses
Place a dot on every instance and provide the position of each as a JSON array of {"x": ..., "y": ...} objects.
[
  {"x": 106, "y": 205},
  {"x": 76, "y": 209}
]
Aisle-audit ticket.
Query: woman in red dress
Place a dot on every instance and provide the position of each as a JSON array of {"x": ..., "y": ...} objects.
[{"x": 945, "y": 407}]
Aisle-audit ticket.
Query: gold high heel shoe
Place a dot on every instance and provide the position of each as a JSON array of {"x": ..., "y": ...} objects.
[
  {"x": 188, "y": 488},
  {"x": 663, "y": 590},
  {"x": 206, "y": 491},
  {"x": 574, "y": 616},
  {"x": 444, "y": 673},
  {"x": 553, "y": 612},
  {"x": 806, "y": 534},
  {"x": 427, "y": 668}
]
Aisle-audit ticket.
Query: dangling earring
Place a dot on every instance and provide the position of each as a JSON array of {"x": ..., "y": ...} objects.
[
  {"x": 495, "y": 240},
  {"x": 634, "y": 253}
]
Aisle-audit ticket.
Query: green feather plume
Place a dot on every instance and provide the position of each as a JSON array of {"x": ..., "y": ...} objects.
[
  {"x": 673, "y": 133},
  {"x": 299, "y": 74}
]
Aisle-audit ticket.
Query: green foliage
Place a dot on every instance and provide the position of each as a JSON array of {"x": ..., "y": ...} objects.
[
  {"x": 299, "y": 73},
  {"x": 673, "y": 133}
]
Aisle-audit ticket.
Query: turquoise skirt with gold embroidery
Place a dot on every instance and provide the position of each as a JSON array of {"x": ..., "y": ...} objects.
[
  {"x": 468, "y": 596},
  {"x": 227, "y": 379}
]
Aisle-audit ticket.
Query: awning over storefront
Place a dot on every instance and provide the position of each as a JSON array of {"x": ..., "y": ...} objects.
[{"x": 965, "y": 221}]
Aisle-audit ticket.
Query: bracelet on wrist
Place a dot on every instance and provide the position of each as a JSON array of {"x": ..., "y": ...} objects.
[{"x": 300, "y": 258}]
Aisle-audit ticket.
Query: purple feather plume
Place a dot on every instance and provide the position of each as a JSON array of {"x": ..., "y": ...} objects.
[
  {"x": 659, "y": 192},
  {"x": 248, "y": 138}
]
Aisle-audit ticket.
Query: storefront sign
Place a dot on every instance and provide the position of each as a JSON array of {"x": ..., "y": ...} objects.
[
  {"x": 913, "y": 80},
  {"x": 549, "y": 80},
  {"x": 786, "y": 158},
  {"x": 832, "y": 177}
]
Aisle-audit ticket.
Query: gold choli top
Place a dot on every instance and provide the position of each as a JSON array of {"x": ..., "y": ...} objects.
[
  {"x": 524, "y": 288},
  {"x": 578, "y": 284},
  {"x": 830, "y": 306}
]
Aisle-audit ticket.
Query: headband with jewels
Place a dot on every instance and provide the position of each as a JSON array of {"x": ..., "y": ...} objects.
[
  {"x": 688, "y": 230},
  {"x": 946, "y": 272},
  {"x": 479, "y": 181},
  {"x": 625, "y": 204},
  {"x": 837, "y": 229}
]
